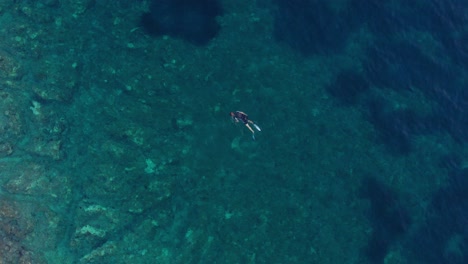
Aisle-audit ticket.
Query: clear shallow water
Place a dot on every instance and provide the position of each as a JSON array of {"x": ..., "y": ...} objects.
[{"x": 118, "y": 147}]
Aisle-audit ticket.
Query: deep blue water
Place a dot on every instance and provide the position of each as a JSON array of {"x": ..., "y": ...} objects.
[{"x": 398, "y": 62}]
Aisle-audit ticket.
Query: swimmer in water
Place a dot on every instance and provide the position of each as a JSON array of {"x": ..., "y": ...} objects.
[{"x": 239, "y": 116}]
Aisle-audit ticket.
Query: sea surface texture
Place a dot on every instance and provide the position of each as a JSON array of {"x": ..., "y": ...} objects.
[{"x": 120, "y": 141}]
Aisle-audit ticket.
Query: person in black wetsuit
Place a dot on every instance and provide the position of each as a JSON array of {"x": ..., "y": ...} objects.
[{"x": 239, "y": 116}]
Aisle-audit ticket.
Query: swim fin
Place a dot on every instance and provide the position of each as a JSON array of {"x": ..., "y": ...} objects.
[{"x": 257, "y": 127}]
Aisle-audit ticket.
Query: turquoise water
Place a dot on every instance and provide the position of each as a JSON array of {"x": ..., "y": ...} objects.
[{"x": 117, "y": 145}]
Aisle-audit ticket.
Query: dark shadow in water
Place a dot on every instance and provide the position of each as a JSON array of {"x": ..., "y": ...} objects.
[
  {"x": 348, "y": 87},
  {"x": 388, "y": 217},
  {"x": 192, "y": 21}
]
